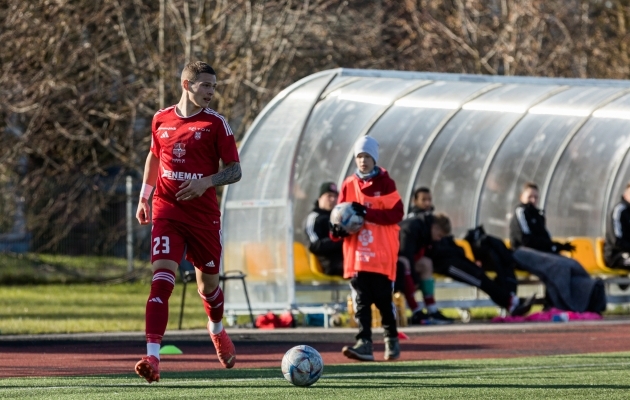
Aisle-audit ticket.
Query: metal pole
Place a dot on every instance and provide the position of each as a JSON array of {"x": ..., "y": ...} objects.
[
  {"x": 161, "y": 54},
  {"x": 129, "y": 225}
]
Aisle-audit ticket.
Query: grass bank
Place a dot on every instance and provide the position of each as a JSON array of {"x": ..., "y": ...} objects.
[{"x": 34, "y": 309}]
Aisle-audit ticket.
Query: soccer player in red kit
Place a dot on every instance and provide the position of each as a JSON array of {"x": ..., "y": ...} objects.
[{"x": 188, "y": 140}]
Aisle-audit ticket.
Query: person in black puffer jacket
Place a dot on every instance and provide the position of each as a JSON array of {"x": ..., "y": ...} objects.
[
  {"x": 528, "y": 226},
  {"x": 617, "y": 246},
  {"x": 328, "y": 252}
]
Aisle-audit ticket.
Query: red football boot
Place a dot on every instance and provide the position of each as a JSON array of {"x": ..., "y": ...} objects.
[
  {"x": 225, "y": 348},
  {"x": 149, "y": 368}
]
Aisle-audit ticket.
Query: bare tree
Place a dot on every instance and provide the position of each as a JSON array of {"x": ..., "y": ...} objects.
[{"x": 80, "y": 81}]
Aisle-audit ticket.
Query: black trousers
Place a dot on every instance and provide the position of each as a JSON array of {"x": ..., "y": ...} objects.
[
  {"x": 495, "y": 256},
  {"x": 332, "y": 267},
  {"x": 371, "y": 288},
  {"x": 464, "y": 270},
  {"x": 618, "y": 261}
]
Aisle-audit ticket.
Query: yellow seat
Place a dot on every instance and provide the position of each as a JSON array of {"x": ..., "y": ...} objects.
[
  {"x": 316, "y": 269},
  {"x": 601, "y": 263},
  {"x": 590, "y": 254},
  {"x": 307, "y": 268},
  {"x": 507, "y": 243},
  {"x": 467, "y": 249},
  {"x": 584, "y": 253},
  {"x": 301, "y": 264},
  {"x": 599, "y": 254}
]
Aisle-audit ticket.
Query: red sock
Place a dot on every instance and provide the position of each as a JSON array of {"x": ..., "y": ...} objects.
[
  {"x": 429, "y": 300},
  {"x": 213, "y": 303},
  {"x": 410, "y": 289},
  {"x": 157, "y": 305}
]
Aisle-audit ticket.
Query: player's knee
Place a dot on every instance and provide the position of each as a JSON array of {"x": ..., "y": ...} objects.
[
  {"x": 424, "y": 266},
  {"x": 403, "y": 265},
  {"x": 164, "y": 264},
  {"x": 206, "y": 283}
]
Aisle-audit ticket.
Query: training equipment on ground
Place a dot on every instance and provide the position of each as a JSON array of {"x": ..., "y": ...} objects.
[
  {"x": 302, "y": 365},
  {"x": 346, "y": 217},
  {"x": 169, "y": 349}
]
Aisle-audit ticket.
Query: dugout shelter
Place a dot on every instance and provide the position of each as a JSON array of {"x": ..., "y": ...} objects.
[{"x": 473, "y": 139}]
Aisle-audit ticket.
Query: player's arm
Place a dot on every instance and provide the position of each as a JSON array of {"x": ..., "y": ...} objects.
[
  {"x": 230, "y": 174},
  {"x": 151, "y": 167},
  {"x": 194, "y": 188},
  {"x": 410, "y": 240}
]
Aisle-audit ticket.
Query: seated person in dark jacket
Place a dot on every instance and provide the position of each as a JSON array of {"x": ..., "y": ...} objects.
[
  {"x": 422, "y": 202},
  {"x": 492, "y": 255},
  {"x": 328, "y": 252},
  {"x": 413, "y": 269},
  {"x": 449, "y": 259},
  {"x": 528, "y": 227},
  {"x": 617, "y": 246}
]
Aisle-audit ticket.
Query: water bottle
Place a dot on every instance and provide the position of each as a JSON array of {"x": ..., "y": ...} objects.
[{"x": 562, "y": 317}]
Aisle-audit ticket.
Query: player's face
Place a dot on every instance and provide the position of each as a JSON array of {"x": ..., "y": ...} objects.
[
  {"x": 201, "y": 90},
  {"x": 424, "y": 201},
  {"x": 437, "y": 233},
  {"x": 365, "y": 163},
  {"x": 327, "y": 201},
  {"x": 529, "y": 196}
]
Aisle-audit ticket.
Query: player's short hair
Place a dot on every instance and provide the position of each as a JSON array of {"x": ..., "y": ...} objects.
[
  {"x": 421, "y": 189},
  {"x": 193, "y": 69},
  {"x": 443, "y": 222},
  {"x": 529, "y": 185}
]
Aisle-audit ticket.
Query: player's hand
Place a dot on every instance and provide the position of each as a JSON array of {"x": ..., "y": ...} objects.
[
  {"x": 566, "y": 247},
  {"x": 191, "y": 189},
  {"x": 359, "y": 208},
  {"x": 337, "y": 231},
  {"x": 143, "y": 215}
]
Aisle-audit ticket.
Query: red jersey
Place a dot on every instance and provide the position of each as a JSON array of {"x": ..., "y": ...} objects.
[{"x": 189, "y": 148}]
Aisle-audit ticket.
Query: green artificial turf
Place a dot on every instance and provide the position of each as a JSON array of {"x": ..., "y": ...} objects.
[{"x": 593, "y": 376}]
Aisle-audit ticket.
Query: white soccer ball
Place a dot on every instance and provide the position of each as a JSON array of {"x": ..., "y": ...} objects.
[
  {"x": 344, "y": 216},
  {"x": 302, "y": 365}
]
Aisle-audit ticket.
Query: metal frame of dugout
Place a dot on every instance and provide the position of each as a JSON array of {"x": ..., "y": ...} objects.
[{"x": 473, "y": 139}]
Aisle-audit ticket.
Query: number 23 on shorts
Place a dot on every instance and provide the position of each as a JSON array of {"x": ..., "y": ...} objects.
[{"x": 161, "y": 245}]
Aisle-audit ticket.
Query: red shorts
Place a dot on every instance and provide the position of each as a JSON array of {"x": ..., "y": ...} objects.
[{"x": 170, "y": 239}]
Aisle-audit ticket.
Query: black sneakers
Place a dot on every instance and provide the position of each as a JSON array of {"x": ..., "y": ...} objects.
[
  {"x": 361, "y": 351},
  {"x": 418, "y": 318},
  {"x": 392, "y": 349},
  {"x": 437, "y": 318},
  {"x": 524, "y": 305}
]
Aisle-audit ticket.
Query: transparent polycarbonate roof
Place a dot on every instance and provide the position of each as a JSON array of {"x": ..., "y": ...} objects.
[{"x": 474, "y": 140}]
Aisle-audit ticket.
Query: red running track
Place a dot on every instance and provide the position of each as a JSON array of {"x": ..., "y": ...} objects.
[{"x": 67, "y": 357}]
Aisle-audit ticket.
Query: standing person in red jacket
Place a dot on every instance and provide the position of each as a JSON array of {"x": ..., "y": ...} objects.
[{"x": 370, "y": 255}]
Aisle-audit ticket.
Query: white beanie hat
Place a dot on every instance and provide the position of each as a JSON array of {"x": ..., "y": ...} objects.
[{"x": 367, "y": 144}]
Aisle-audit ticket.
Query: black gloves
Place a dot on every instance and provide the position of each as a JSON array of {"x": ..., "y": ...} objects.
[
  {"x": 337, "y": 231},
  {"x": 565, "y": 246},
  {"x": 359, "y": 208}
]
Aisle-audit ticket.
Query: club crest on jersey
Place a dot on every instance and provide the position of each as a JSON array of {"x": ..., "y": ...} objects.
[
  {"x": 198, "y": 135},
  {"x": 179, "y": 150}
]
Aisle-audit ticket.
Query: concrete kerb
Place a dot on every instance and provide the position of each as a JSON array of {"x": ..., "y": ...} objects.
[{"x": 313, "y": 335}]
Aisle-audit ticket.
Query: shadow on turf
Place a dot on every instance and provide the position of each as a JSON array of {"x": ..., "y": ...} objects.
[{"x": 345, "y": 369}]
